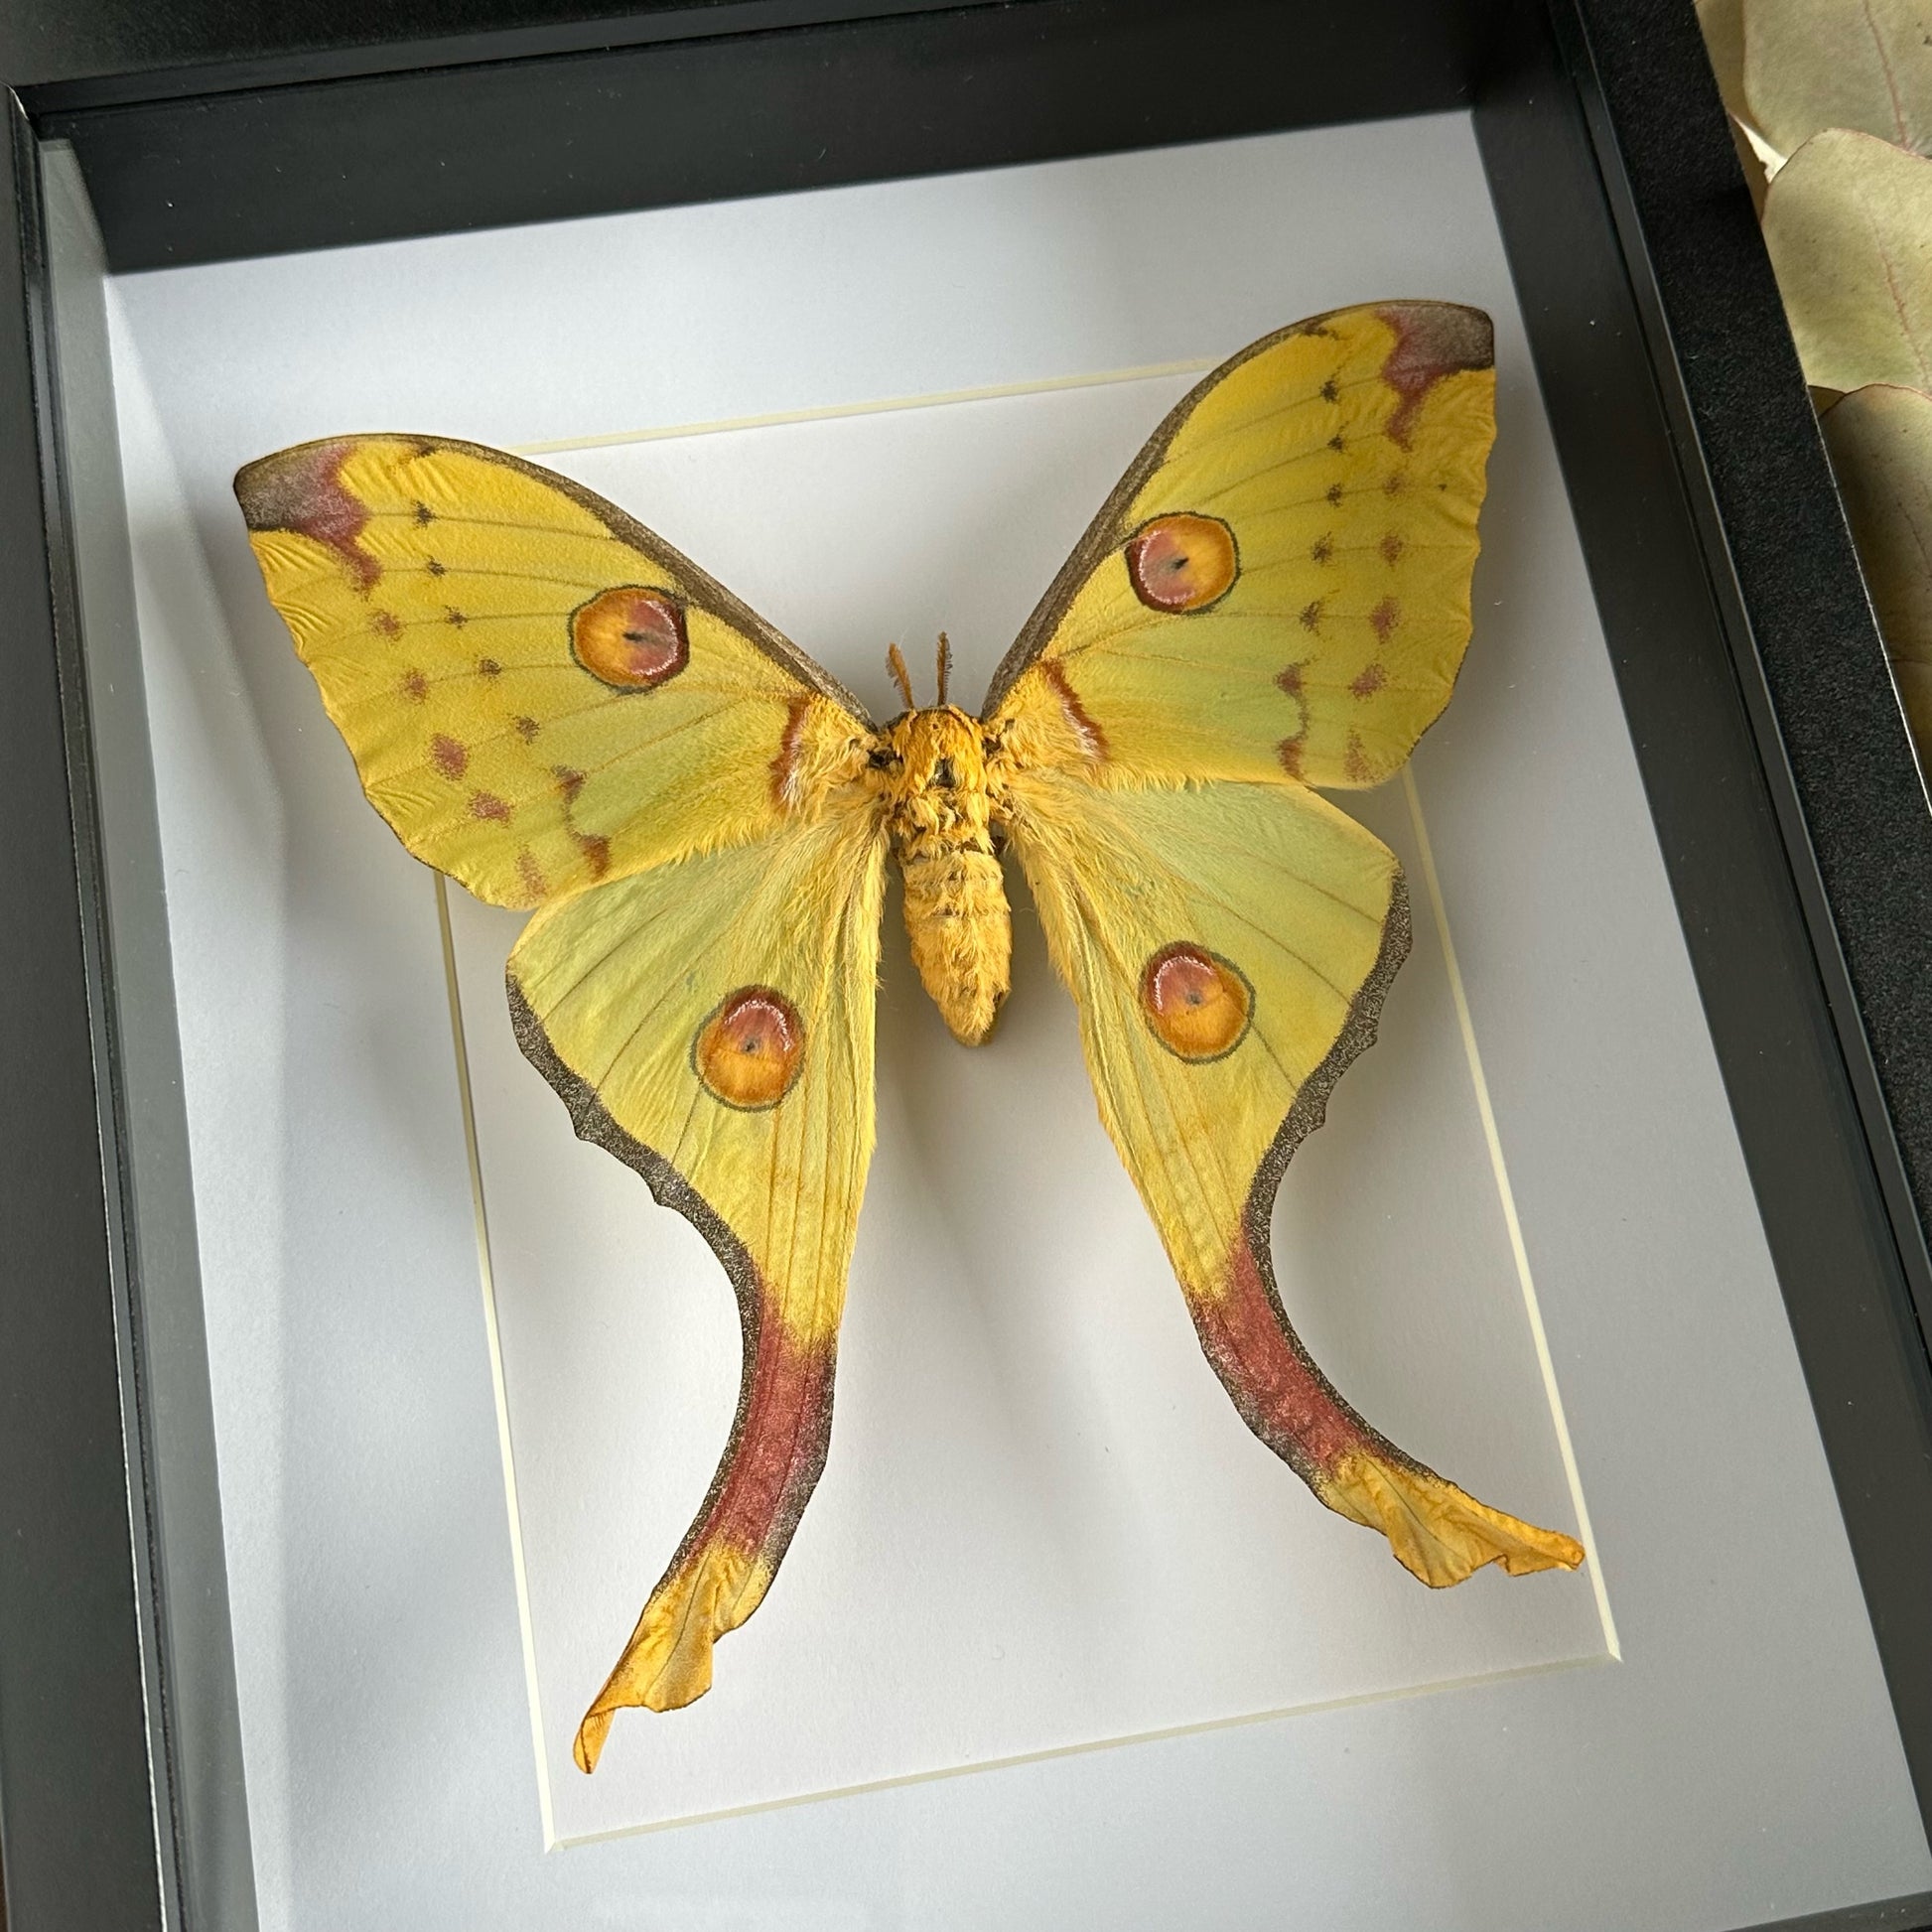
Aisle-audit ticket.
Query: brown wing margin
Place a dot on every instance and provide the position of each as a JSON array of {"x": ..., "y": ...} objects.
[
  {"x": 263, "y": 488},
  {"x": 773, "y": 1458},
  {"x": 1107, "y": 529},
  {"x": 1437, "y": 1531},
  {"x": 1123, "y": 877},
  {"x": 1240, "y": 1331}
]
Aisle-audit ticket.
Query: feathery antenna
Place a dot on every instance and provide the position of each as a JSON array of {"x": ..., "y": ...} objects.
[{"x": 895, "y": 663}]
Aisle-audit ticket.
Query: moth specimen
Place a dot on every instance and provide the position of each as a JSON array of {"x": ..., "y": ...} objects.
[{"x": 550, "y": 704}]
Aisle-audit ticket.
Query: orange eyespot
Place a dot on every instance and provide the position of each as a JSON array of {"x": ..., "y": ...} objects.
[
  {"x": 748, "y": 1052},
  {"x": 631, "y": 639},
  {"x": 1181, "y": 563},
  {"x": 1199, "y": 1004}
]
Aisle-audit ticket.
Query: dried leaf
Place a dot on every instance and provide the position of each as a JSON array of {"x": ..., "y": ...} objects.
[
  {"x": 1723, "y": 21},
  {"x": 1849, "y": 224},
  {"x": 1880, "y": 440},
  {"x": 1768, "y": 159},
  {"x": 1810, "y": 65}
]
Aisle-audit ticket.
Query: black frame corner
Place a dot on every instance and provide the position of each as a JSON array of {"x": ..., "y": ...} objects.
[{"x": 1790, "y": 810}]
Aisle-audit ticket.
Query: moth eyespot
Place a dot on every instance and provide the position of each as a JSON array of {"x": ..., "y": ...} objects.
[
  {"x": 630, "y": 638},
  {"x": 1182, "y": 562},
  {"x": 1197, "y": 1005},
  {"x": 748, "y": 1051}
]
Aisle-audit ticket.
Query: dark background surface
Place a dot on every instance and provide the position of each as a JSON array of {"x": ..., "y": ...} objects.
[
  {"x": 143, "y": 48},
  {"x": 644, "y": 126},
  {"x": 60, "y": 53}
]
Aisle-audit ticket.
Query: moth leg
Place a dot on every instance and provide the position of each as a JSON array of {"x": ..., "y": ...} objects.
[
  {"x": 1437, "y": 1532},
  {"x": 729, "y": 1556}
]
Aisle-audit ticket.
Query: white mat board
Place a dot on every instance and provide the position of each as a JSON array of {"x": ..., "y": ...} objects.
[{"x": 1737, "y": 1764}]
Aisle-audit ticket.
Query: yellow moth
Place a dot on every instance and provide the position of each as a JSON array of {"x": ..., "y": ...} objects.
[{"x": 554, "y": 707}]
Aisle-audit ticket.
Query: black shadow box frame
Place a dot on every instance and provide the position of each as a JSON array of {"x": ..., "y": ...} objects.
[{"x": 1791, "y": 813}]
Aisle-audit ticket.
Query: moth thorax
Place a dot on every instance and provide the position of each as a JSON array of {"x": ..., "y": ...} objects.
[{"x": 937, "y": 770}]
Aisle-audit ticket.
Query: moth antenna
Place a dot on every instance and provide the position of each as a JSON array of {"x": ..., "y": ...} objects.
[
  {"x": 895, "y": 663},
  {"x": 945, "y": 665}
]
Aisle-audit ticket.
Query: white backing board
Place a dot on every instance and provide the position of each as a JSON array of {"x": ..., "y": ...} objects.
[
  {"x": 1035, "y": 1477},
  {"x": 1737, "y": 1763}
]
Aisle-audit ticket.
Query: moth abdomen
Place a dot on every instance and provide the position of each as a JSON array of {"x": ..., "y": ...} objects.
[{"x": 960, "y": 929}]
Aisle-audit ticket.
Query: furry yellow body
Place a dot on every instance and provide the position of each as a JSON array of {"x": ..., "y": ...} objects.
[{"x": 942, "y": 800}]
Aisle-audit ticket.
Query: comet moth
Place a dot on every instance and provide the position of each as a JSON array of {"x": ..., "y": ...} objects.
[{"x": 551, "y": 705}]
